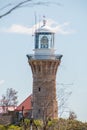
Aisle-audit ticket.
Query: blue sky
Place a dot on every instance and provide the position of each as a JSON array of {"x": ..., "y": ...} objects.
[{"x": 70, "y": 19}]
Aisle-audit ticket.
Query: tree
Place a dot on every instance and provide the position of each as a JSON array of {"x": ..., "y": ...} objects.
[
  {"x": 72, "y": 115},
  {"x": 10, "y": 98},
  {"x": 10, "y": 7},
  {"x": 64, "y": 92}
]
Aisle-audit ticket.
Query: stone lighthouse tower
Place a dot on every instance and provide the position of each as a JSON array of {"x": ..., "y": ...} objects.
[{"x": 44, "y": 64}]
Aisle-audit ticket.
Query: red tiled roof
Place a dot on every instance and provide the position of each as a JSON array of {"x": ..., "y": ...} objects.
[{"x": 26, "y": 104}]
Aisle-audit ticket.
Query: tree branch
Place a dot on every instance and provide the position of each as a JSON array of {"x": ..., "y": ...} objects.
[
  {"x": 24, "y": 4},
  {"x": 15, "y": 7}
]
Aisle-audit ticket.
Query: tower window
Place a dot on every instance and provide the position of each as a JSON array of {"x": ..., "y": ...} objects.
[
  {"x": 39, "y": 89},
  {"x": 39, "y": 111},
  {"x": 39, "y": 68}
]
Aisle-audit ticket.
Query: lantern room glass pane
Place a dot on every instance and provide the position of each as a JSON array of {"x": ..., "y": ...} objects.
[
  {"x": 36, "y": 41},
  {"x": 44, "y": 40}
]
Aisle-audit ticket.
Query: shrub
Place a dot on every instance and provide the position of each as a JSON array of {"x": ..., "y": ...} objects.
[
  {"x": 12, "y": 127},
  {"x": 38, "y": 123},
  {"x": 2, "y": 127}
]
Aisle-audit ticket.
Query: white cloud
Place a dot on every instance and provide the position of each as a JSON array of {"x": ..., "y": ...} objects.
[
  {"x": 2, "y": 82},
  {"x": 18, "y": 29},
  {"x": 58, "y": 28},
  {"x": 63, "y": 29}
]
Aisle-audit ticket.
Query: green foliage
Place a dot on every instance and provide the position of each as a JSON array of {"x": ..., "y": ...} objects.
[
  {"x": 38, "y": 123},
  {"x": 52, "y": 122},
  {"x": 12, "y": 127},
  {"x": 2, "y": 127},
  {"x": 66, "y": 124},
  {"x": 27, "y": 121},
  {"x": 55, "y": 124},
  {"x": 76, "y": 125}
]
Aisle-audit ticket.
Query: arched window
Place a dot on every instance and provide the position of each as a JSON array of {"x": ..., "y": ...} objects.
[{"x": 44, "y": 42}]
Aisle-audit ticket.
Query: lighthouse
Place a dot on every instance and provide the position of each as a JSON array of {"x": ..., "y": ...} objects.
[{"x": 44, "y": 65}]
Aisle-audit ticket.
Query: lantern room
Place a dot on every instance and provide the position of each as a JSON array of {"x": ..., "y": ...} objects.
[{"x": 44, "y": 40}]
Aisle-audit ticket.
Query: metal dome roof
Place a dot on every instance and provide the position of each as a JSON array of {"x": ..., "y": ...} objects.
[{"x": 44, "y": 28}]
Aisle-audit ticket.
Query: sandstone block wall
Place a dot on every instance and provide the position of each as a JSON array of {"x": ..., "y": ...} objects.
[{"x": 44, "y": 88}]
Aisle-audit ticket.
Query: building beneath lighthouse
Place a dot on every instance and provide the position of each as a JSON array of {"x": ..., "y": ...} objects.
[{"x": 44, "y": 65}]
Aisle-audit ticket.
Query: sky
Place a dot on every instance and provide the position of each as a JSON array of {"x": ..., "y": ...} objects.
[{"x": 69, "y": 20}]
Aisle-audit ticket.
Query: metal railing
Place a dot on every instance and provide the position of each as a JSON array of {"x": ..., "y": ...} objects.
[{"x": 38, "y": 57}]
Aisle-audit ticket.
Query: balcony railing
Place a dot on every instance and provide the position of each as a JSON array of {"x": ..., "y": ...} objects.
[{"x": 44, "y": 57}]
